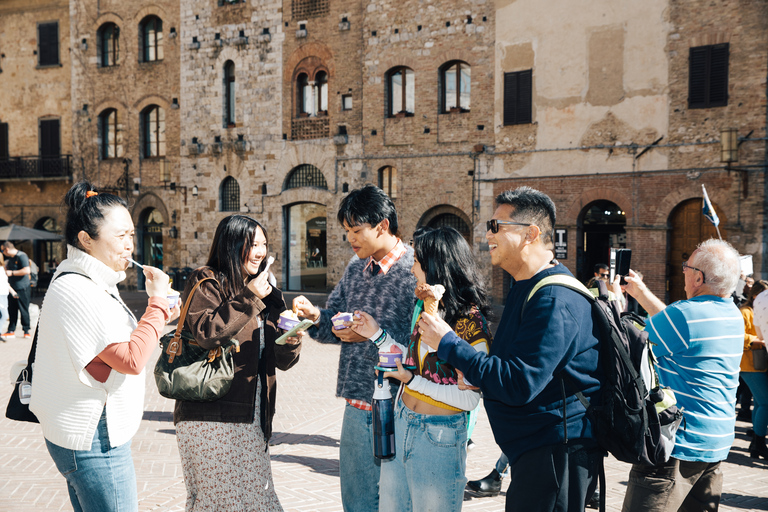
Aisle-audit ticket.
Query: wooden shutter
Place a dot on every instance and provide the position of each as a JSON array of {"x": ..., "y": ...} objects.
[
  {"x": 708, "y": 76},
  {"x": 718, "y": 76},
  {"x": 518, "y": 104},
  {"x": 48, "y": 44},
  {"x": 50, "y": 142},
  {"x": 4, "y": 153}
]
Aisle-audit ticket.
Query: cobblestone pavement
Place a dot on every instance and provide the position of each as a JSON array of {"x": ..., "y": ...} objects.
[{"x": 304, "y": 448}]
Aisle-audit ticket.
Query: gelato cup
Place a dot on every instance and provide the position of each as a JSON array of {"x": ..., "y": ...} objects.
[
  {"x": 288, "y": 320},
  {"x": 174, "y": 298},
  {"x": 389, "y": 359},
  {"x": 339, "y": 319}
]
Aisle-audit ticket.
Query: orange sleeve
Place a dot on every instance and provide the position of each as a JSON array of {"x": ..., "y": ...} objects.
[{"x": 130, "y": 357}]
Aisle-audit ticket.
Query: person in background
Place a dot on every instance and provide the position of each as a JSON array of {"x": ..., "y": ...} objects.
[
  {"x": 88, "y": 387},
  {"x": 17, "y": 269},
  {"x": 377, "y": 280},
  {"x": 697, "y": 343},
  {"x": 425, "y": 474},
  {"x": 602, "y": 271},
  {"x": 5, "y": 290},
  {"x": 754, "y": 312},
  {"x": 223, "y": 444}
]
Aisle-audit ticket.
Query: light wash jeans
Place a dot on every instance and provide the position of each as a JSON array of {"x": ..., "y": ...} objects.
[
  {"x": 758, "y": 384},
  {"x": 427, "y": 473},
  {"x": 101, "y": 479},
  {"x": 358, "y": 468}
]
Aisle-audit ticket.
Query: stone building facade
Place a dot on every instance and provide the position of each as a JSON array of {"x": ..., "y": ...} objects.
[
  {"x": 35, "y": 119},
  {"x": 126, "y": 117},
  {"x": 617, "y": 138}
]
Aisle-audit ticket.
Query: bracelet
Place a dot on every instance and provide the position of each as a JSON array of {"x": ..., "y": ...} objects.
[
  {"x": 380, "y": 339},
  {"x": 413, "y": 375}
]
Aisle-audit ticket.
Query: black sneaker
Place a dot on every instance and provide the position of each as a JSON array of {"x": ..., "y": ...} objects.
[{"x": 487, "y": 487}]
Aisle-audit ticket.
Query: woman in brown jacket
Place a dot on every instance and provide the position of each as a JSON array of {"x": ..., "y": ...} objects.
[{"x": 223, "y": 444}]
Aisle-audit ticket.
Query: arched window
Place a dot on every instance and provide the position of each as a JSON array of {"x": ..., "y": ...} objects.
[
  {"x": 453, "y": 221},
  {"x": 110, "y": 136},
  {"x": 321, "y": 93},
  {"x": 153, "y": 131},
  {"x": 456, "y": 84},
  {"x": 303, "y": 95},
  {"x": 151, "y": 39},
  {"x": 229, "y": 93},
  {"x": 109, "y": 44},
  {"x": 401, "y": 91},
  {"x": 305, "y": 175},
  {"x": 229, "y": 193},
  {"x": 388, "y": 181}
]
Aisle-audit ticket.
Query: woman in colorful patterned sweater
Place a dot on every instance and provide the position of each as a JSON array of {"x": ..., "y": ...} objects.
[{"x": 427, "y": 473}]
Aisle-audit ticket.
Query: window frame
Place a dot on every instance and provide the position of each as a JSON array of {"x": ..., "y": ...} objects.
[
  {"x": 153, "y": 42},
  {"x": 109, "y": 51},
  {"x": 229, "y": 93},
  {"x": 153, "y": 148},
  {"x": 403, "y": 111},
  {"x": 104, "y": 134},
  {"x": 522, "y": 97},
  {"x": 390, "y": 187},
  {"x": 458, "y": 64},
  {"x": 48, "y": 44},
  {"x": 232, "y": 187},
  {"x": 708, "y": 64},
  {"x": 319, "y": 89}
]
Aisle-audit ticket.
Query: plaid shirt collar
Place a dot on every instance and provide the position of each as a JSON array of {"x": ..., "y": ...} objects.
[{"x": 387, "y": 261}]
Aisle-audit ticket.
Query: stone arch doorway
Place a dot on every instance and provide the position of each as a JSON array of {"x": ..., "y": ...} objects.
[
  {"x": 600, "y": 228},
  {"x": 305, "y": 247},
  {"x": 687, "y": 228},
  {"x": 450, "y": 216},
  {"x": 149, "y": 242}
]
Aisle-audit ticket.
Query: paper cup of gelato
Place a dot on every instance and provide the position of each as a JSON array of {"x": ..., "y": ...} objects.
[
  {"x": 174, "y": 298},
  {"x": 339, "y": 319},
  {"x": 389, "y": 359},
  {"x": 288, "y": 320}
]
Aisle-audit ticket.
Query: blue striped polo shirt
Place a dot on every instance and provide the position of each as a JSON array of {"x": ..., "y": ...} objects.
[{"x": 699, "y": 344}]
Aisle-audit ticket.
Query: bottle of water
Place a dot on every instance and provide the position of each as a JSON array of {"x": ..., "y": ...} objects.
[{"x": 383, "y": 420}]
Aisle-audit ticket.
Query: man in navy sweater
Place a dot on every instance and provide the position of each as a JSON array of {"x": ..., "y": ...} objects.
[{"x": 536, "y": 419}]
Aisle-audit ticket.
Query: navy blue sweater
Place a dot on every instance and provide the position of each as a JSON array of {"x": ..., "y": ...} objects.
[
  {"x": 520, "y": 377},
  {"x": 389, "y": 298}
]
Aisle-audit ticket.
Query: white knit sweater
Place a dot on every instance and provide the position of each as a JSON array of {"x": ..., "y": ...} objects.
[{"x": 78, "y": 320}]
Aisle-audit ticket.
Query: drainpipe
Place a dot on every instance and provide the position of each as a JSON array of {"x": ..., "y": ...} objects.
[{"x": 764, "y": 244}]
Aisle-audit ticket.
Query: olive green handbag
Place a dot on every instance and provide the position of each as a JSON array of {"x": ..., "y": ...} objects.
[{"x": 186, "y": 371}]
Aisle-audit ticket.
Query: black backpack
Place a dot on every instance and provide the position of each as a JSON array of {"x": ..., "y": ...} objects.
[{"x": 636, "y": 419}]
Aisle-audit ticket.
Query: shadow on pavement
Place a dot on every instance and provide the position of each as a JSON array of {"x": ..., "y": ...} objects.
[
  {"x": 158, "y": 416},
  {"x": 329, "y": 467},
  {"x": 279, "y": 438}
]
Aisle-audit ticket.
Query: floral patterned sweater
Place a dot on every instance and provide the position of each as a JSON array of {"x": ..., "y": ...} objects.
[{"x": 435, "y": 381}]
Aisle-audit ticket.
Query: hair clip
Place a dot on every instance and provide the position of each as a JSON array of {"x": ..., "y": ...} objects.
[{"x": 91, "y": 193}]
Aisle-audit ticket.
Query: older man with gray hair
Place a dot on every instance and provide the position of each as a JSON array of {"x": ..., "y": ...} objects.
[{"x": 698, "y": 344}]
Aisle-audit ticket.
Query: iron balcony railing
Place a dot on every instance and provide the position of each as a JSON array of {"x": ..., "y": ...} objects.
[{"x": 36, "y": 167}]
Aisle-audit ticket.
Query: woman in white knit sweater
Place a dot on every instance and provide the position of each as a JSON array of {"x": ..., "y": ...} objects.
[{"x": 88, "y": 385}]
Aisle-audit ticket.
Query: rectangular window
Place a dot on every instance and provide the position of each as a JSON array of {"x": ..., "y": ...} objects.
[
  {"x": 48, "y": 44},
  {"x": 346, "y": 102},
  {"x": 518, "y": 104},
  {"x": 4, "y": 151},
  {"x": 708, "y": 76},
  {"x": 50, "y": 138},
  {"x": 302, "y": 9}
]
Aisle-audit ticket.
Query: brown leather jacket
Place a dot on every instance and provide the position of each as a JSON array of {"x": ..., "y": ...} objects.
[{"x": 213, "y": 319}]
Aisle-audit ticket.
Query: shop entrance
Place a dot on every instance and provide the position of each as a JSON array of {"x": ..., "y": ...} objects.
[
  {"x": 601, "y": 227},
  {"x": 306, "y": 247},
  {"x": 149, "y": 242}
]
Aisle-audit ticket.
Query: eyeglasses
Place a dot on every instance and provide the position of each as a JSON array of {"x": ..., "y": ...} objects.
[
  {"x": 493, "y": 224},
  {"x": 703, "y": 277}
]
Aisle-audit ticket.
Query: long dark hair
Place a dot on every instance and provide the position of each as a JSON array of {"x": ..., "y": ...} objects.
[
  {"x": 231, "y": 244},
  {"x": 757, "y": 288},
  {"x": 87, "y": 213},
  {"x": 446, "y": 259}
]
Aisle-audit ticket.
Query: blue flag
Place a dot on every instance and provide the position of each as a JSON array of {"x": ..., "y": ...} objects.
[{"x": 708, "y": 209}]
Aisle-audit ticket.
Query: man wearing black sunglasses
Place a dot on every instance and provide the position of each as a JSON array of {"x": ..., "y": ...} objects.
[{"x": 538, "y": 423}]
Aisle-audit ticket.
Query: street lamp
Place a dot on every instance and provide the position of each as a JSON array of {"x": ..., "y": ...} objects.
[{"x": 729, "y": 145}]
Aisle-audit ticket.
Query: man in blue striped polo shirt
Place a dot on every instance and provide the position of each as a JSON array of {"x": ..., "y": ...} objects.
[{"x": 698, "y": 344}]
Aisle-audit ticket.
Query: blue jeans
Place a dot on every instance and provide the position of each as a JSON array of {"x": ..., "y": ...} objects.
[
  {"x": 758, "y": 384},
  {"x": 101, "y": 479},
  {"x": 427, "y": 473},
  {"x": 358, "y": 468}
]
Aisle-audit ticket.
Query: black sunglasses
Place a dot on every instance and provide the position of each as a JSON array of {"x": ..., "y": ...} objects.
[{"x": 493, "y": 224}]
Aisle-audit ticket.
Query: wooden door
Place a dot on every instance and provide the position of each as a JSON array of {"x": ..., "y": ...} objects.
[{"x": 688, "y": 228}]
